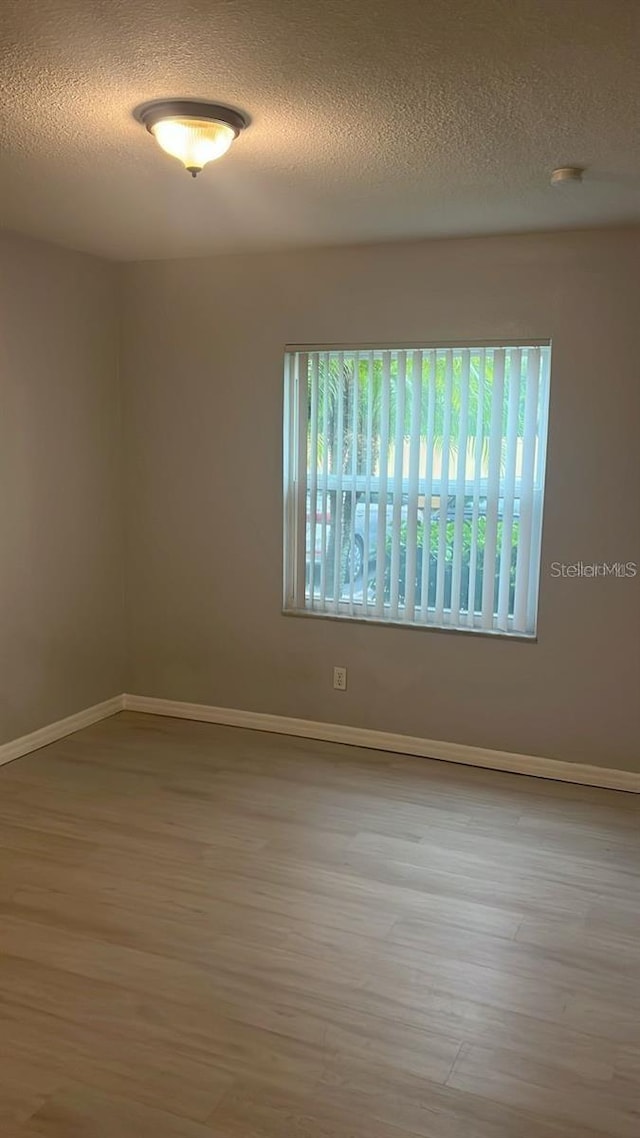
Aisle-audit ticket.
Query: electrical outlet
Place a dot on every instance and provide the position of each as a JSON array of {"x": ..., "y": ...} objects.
[{"x": 340, "y": 679}]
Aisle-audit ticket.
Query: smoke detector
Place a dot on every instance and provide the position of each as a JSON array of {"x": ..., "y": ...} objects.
[{"x": 565, "y": 174}]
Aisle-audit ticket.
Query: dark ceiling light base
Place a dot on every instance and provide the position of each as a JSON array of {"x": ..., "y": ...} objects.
[{"x": 158, "y": 109}]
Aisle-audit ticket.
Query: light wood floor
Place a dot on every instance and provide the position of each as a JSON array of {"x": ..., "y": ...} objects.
[{"x": 216, "y": 933}]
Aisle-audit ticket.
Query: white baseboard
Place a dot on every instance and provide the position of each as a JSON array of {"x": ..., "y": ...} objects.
[
  {"x": 512, "y": 763},
  {"x": 385, "y": 741},
  {"x": 54, "y": 731}
]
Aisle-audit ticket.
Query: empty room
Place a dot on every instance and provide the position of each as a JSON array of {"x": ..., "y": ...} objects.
[{"x": 320, "y": 569}]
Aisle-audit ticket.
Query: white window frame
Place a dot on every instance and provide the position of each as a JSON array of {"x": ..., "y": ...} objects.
[{"x": 389, "y": 612}]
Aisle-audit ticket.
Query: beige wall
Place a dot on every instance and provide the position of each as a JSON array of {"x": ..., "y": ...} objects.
[
  {"x": 61, "y": 583},
  {"x": 202, "y": 376},
  {"x": 203, "y": 343}
]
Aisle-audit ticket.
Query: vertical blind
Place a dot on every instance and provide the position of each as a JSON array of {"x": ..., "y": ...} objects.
[{"x": 414, "y": 481}]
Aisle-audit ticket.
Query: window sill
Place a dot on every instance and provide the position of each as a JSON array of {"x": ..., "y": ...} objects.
[{"x": 491, "y": 633}]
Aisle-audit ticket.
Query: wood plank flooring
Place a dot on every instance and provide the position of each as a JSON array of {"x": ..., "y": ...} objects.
[{"x": 215, "y": 933}]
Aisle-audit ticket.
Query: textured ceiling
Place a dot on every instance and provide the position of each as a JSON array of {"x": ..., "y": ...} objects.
[{"x": 371, "y": 119}]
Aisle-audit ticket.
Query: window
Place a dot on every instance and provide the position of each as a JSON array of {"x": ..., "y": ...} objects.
[{"x": 414, "y": 482}]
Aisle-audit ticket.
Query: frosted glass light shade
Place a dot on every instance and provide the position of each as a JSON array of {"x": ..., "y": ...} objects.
[{"x": 193, "y": 141}]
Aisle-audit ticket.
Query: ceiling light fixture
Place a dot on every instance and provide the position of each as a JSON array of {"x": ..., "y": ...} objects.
[{"x": 193, "y": 132}]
